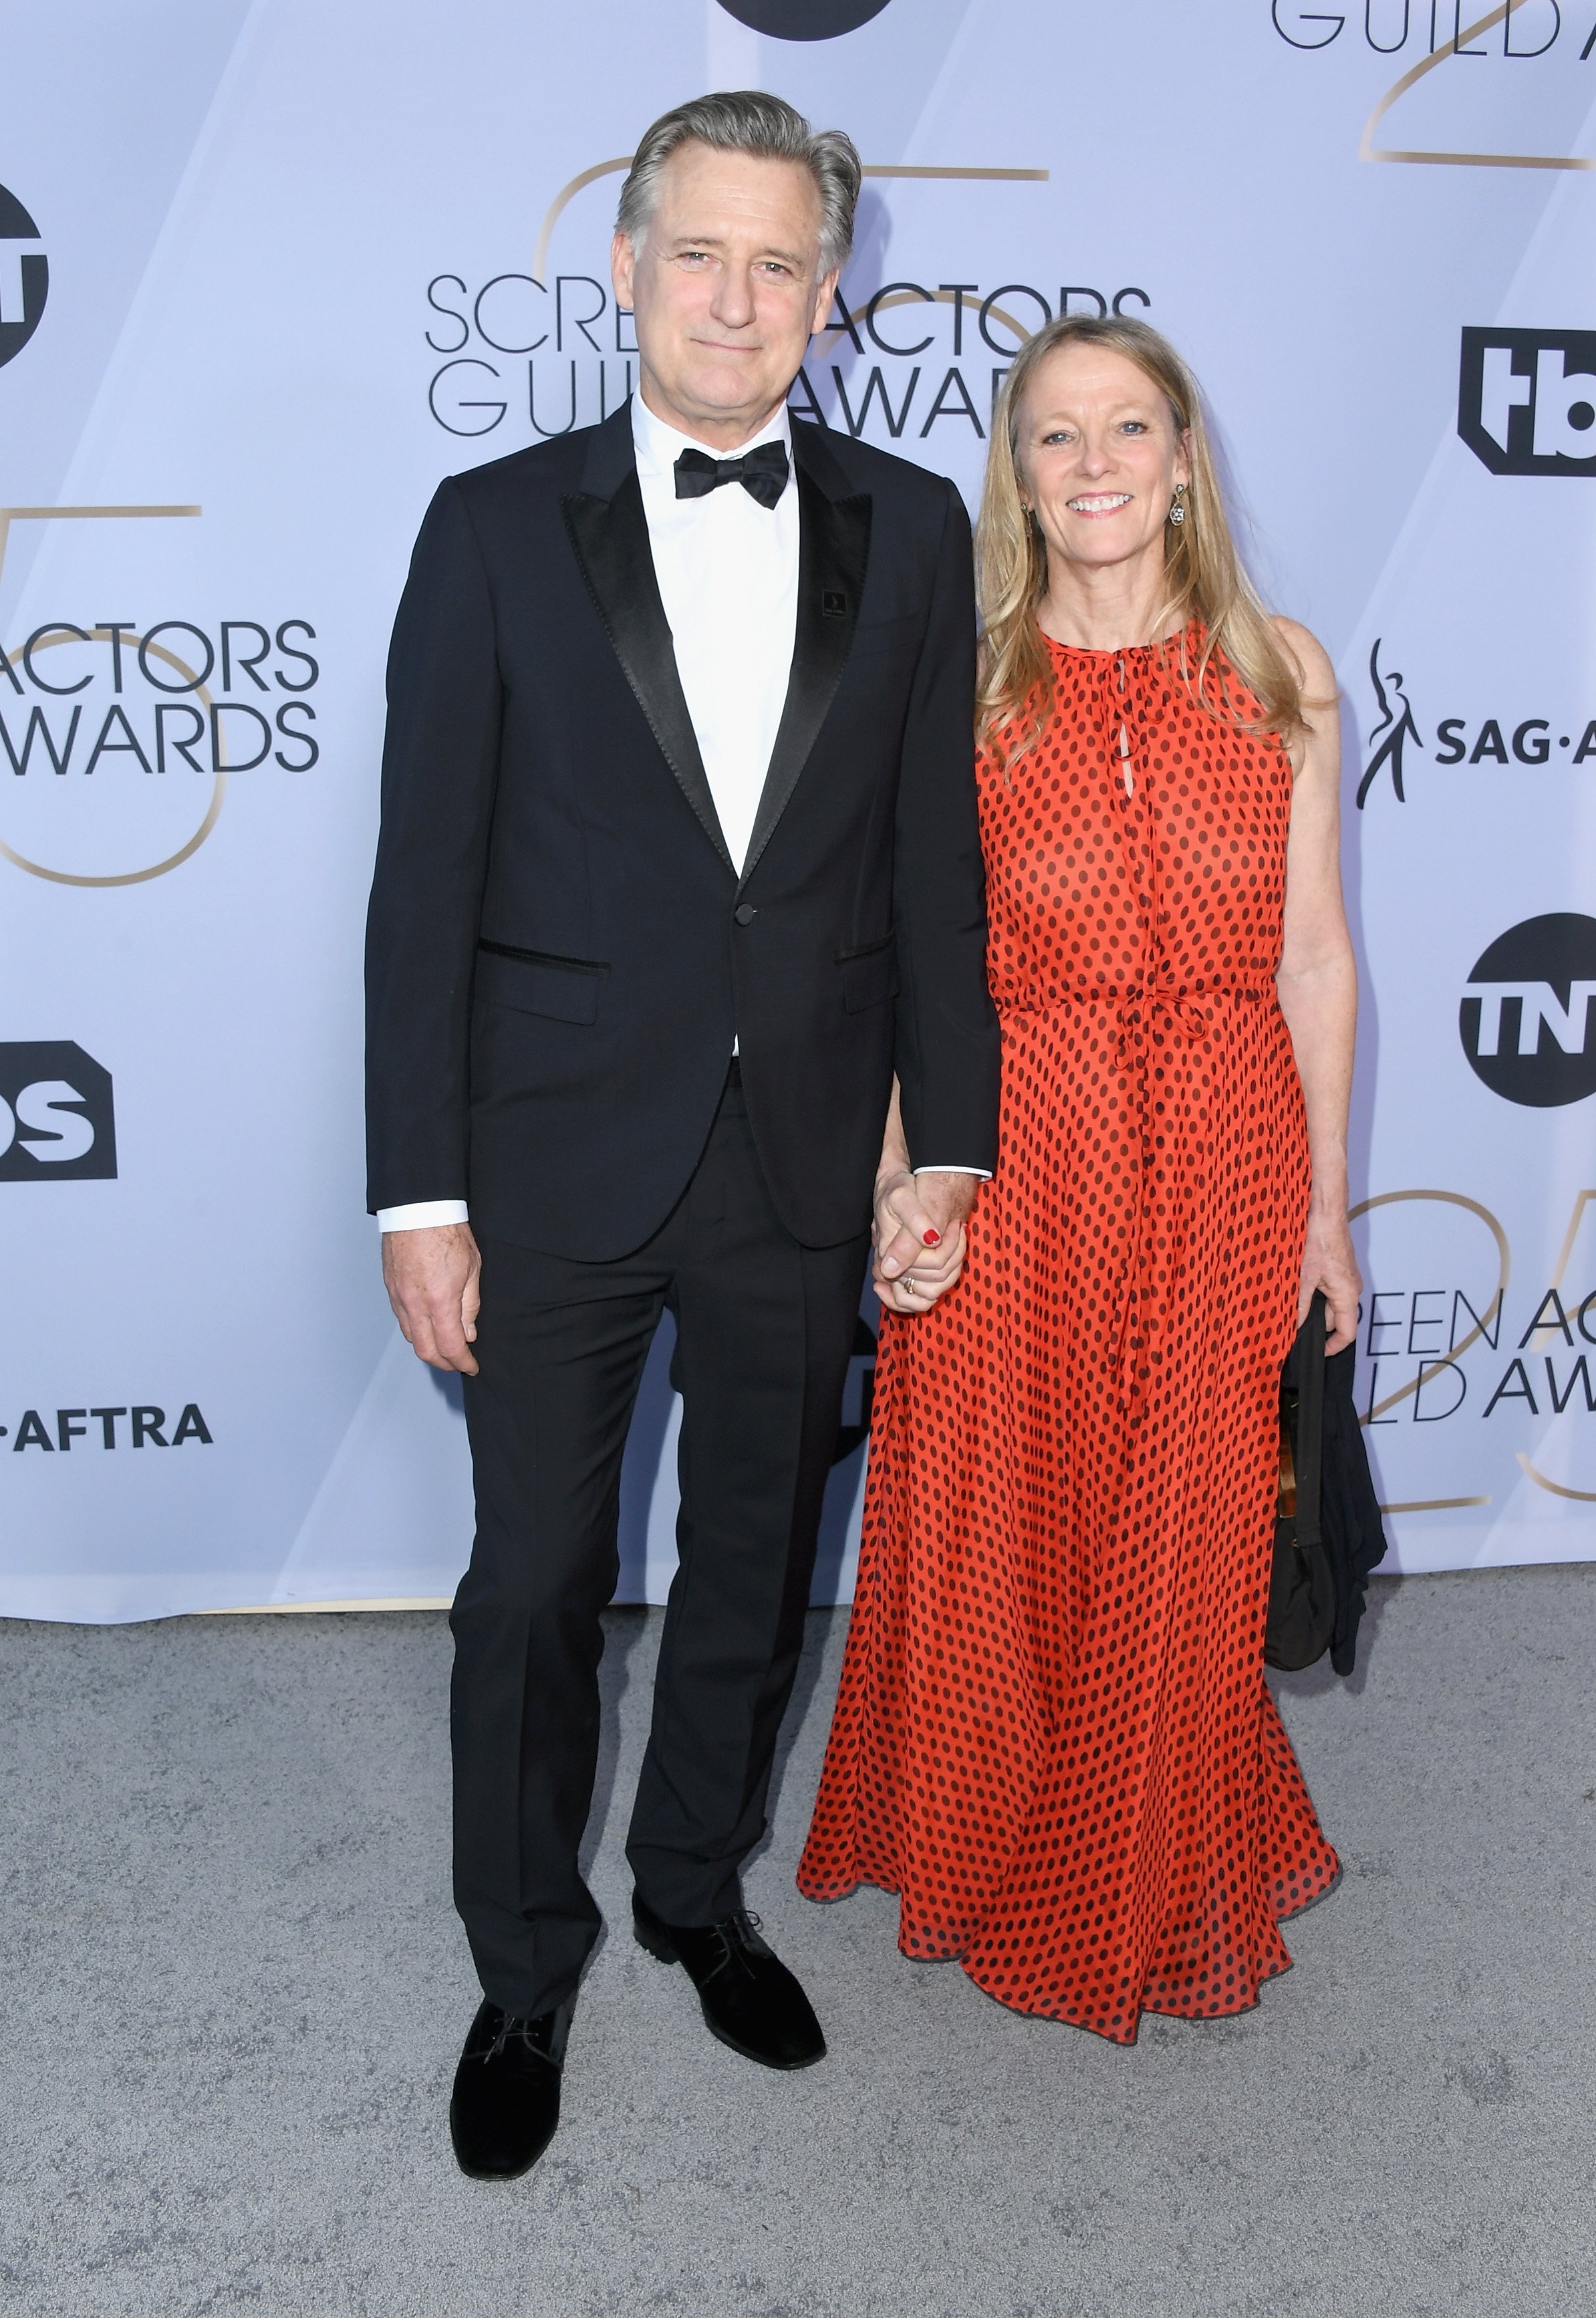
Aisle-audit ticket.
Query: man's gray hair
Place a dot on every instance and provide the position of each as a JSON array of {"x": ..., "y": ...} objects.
[{"x": 747, "y": 121}]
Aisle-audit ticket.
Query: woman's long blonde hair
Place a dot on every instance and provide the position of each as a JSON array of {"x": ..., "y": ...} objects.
[{"x": 1204, "y": 574}]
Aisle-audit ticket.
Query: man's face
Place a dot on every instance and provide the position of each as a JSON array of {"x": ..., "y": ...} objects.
[{"x": 725, "y": 288}]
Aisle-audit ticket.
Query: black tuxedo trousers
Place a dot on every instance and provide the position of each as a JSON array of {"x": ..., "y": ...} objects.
[{"x": 764, "y": 1327}]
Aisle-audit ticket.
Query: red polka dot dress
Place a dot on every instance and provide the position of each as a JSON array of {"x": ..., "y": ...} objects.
[{"x": 1053, "y": 1737}]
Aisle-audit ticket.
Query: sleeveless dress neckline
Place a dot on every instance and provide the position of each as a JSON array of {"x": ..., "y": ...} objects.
[{"x": 1192, "y": 628}]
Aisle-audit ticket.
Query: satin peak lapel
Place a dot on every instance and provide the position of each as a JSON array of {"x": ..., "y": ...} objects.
[
  {"x": 610, "y": 539},
  {"x": 833, "y": 549}
]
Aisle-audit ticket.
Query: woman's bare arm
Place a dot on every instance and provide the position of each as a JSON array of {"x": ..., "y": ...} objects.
[{"x": 1318, "y": 987}]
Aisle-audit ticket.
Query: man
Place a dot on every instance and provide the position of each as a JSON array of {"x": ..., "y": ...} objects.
[{"x": 679, "y": 864}]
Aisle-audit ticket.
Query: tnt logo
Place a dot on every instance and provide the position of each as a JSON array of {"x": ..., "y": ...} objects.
[
  {"x": 24, "y": 277},
  {"x": 1525, "y": 1019},
  {"x": 57, "y": 1124},
  {"x": 1527, "y": 400}
]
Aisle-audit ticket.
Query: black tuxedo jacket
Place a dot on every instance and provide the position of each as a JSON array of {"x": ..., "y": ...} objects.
[{"x": 559, "y": 952}]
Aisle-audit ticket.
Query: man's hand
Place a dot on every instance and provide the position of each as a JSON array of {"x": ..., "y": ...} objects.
[
  {"x": 920, "y": 1235},
  {"x": 434, "y": 1282}
]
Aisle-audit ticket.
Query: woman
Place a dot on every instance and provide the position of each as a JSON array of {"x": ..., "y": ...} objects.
[{"x": 1053, "y": 1737}]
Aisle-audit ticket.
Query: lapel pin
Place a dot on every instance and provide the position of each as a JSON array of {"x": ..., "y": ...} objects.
[{"x": 833, "y": 604}]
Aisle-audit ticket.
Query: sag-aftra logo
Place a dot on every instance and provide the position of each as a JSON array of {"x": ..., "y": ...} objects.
[
  {"x": 120, "y": 1424},
  {"x": 1496, "y": 733}
]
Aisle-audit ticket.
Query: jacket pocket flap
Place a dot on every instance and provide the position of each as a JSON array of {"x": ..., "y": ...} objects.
[
  {"x": 563, "y": 993},
  {"x": 870, "y": 980}
]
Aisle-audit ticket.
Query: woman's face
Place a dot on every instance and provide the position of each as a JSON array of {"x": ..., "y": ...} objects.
[{"x": 1098, "y": 457}]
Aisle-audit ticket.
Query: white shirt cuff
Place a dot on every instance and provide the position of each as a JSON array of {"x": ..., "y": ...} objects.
[
  {"x": 422, "y": 1215},
  {"x": 983, "y": 1173}
]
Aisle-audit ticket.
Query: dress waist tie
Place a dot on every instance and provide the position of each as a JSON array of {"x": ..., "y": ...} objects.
[{"x": 1136, "y": 1012}]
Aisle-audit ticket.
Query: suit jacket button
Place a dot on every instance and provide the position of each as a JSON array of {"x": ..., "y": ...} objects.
[{"x": 745, "y": 913}]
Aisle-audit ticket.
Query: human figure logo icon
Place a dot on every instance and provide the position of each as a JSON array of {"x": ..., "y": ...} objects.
[{"x": 1394, "y": 729}]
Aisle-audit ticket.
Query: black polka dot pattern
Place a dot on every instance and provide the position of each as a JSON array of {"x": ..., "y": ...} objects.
[{"x": 1053, "y": 1737}]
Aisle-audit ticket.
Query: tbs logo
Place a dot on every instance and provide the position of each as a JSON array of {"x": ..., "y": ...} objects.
[
  {"x": 1527, "y": 400},
  {"x": 57, "y": 1124}
]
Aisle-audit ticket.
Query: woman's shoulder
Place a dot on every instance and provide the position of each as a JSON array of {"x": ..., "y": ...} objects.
[{"x": 1314, "y": 669}]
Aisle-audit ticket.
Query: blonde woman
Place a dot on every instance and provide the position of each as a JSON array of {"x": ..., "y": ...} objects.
[{"x": 1053, "y": 1738}]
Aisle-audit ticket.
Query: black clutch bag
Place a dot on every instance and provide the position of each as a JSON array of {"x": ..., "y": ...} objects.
[
  {"x": 1328, "y": 1536},
  {"x": 1302, "y": 1616}
]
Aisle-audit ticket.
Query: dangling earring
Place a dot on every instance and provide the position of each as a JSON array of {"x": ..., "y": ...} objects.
[{"x": 1178, "y": 512}]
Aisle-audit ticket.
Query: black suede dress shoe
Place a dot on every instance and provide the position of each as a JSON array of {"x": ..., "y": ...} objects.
[
  {"x": 506, "y": 2092},
  {"x": 750, "y": 2000}
]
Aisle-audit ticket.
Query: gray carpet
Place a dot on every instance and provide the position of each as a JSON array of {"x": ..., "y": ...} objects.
[{"x": 235, "y": 1992}]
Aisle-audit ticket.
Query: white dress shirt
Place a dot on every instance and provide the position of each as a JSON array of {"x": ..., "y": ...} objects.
[
  {"x": 727, "y": 569},
  {"x": 728, "y": 575}
]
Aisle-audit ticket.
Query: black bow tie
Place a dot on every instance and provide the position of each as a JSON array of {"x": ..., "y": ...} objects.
[{"x": 762, "y": 472}]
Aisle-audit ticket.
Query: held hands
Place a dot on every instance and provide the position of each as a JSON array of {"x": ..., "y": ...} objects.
[
  {"x": 1329, "y": 1263},
  {"x": 919, "y": 1234},
  {"x": 432, "y": 1278}
]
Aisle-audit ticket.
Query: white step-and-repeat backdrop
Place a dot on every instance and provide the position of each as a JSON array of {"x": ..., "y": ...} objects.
[{"x": 268, "y": 271}]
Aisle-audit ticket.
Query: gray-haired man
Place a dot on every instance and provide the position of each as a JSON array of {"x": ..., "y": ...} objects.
[{"x": 678, "y": 868}]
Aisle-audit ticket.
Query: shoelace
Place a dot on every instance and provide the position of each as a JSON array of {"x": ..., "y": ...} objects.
[
  {"x": 733, "y": 1947},
  {"x": 513, "y": 2025}
]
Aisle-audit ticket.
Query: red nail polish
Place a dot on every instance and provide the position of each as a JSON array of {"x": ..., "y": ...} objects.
[{"x": 933, "y": 1239}]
